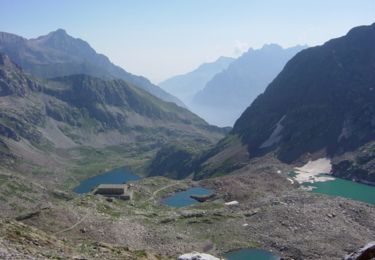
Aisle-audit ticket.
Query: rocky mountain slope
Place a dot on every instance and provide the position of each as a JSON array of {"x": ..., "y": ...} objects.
[
  {"x": 185, "y": 86},
  {"x": 58, "y": 54},
  {"x": 48, "y": 123},
  {"x": 321, "y": 104},
  {"x": 228, "y": 93},
  {"x": 322, "y": 100}
]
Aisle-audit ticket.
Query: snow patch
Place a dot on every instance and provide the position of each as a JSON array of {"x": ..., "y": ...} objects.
[
  {"x": 310, "y": 171},
  {"x": 231, "y": 203},
  {"x": 197, "y": 256}
]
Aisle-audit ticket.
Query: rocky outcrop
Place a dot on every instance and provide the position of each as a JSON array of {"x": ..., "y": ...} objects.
[
  {"x": 361, "y": 168},
  {"x": 364, "y": 253},
  {"x": 202, "y": 198},
  {"x": 8, "y": 132}
]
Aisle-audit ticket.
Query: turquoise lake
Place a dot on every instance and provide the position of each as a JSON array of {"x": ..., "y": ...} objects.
[
  {"x": 250, "y": 254},
  {"x": 116, "y": 176},
  {"x": 344, "y": 188},
  {"x": 182, "y": 198}
]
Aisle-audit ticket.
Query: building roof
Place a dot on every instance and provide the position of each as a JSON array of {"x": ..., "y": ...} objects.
[{"x": 111, "y": 186}]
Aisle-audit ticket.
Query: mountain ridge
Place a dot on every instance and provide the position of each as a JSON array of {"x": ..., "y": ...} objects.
[
  {"x": 186, "y": 85},
  {"x": 40, "y": 118},
  {"x": 59, "y": 54},
  {"x": 229, "y": 92}
]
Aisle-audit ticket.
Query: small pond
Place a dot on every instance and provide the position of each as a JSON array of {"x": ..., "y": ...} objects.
[
  {"x": 182, "y": 198},
  {"x": 116, "y": 176},
  {"x": 250, "y": 254}
]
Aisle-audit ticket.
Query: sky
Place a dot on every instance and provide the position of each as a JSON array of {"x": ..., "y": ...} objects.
[{"x": 162, "y": 38}]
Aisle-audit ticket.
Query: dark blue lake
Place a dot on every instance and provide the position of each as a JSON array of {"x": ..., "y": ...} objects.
[
  {"x": 116, "y": 176},
  {"x": 250, "y": 254},
  {"x": 182, "y": 198}
]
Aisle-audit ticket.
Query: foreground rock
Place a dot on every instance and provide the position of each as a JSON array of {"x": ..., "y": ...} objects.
[{"x": 364, "y": 253}]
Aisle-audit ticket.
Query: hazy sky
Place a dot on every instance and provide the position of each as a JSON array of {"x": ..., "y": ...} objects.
[{"x": 161, "y": 38}]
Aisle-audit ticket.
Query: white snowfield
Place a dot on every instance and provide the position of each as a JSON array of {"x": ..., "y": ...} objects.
[
  {"x": 310, "y": 171},
  {"x": 197, "y": 256}
]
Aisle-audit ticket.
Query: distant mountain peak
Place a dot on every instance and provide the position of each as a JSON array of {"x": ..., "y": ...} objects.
[
  {"x": 58, "y": 34},
  {"x": 271, "y": 46},
  {"x": 185, "y": 86},
  {"x": 224, "y": 58},
  {"x": 58, "y": 39},
  {"x": 59, "y": 54},
  {"x": 60, "y": 31}
]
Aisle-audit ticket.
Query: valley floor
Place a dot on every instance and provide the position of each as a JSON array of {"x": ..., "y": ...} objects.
[{"x": 272, "y": 214}]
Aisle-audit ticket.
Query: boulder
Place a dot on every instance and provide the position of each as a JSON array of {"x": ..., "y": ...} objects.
[
  {"x": 364, "y": 253},
  {"x": 202, "y": 198}
]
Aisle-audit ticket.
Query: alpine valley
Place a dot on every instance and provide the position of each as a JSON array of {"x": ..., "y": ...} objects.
[{"x": 68, "y": 116}]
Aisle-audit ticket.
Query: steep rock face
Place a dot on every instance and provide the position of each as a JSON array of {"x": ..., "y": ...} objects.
[
  {"x": 15, "y": 84},
  {"x": 12, "y": 82},
  {"x": 58, "y": 54},
  {"x": 322, "y": 100},
  {"x": 229, "y": 92}
]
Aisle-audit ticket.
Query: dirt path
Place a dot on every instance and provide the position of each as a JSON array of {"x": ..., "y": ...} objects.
[{"x": 152, "y": 197}]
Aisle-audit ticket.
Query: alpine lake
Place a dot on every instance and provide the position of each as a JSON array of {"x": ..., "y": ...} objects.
[
  {"x": 333, "y": 187},
  {"x": 342, "y": 188}
]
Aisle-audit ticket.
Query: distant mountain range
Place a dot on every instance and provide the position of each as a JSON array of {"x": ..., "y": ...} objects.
[
  {"x": 230, "y": 91},
  {"x": 58, "y": 54},
  {"x": 187, "y": 85}
]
